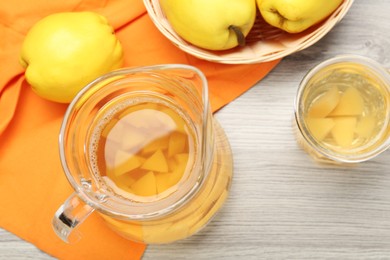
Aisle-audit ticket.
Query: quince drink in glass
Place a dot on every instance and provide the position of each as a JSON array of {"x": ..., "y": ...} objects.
[{"x": 342, "y": 110}]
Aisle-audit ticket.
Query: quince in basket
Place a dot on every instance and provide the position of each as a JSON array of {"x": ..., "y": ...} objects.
[
  {"x": 295, "y": 16},
  {"x": 211, "y": 24},
  {"x": 65, "y": 51}
]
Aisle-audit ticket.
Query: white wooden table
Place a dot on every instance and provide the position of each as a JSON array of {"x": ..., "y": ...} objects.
[{"x": 282, "y": 204}]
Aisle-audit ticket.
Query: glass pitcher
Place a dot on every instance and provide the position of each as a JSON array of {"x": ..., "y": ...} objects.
[{"x": 140, "y": 147}]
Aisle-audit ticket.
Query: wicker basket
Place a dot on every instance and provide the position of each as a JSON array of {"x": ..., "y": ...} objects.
[{"x": 265, "y": 43}]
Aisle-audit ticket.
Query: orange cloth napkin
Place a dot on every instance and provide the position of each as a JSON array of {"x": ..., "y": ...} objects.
[{"x": 32, "y": 183}]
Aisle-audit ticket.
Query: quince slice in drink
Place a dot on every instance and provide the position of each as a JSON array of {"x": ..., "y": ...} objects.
[
  {"x": 160, "y": 143},
  {"x": 163, "y": 181},
  {"x": 177, "y": 143},
  {"x": 320, "y": 127},
  {"x": 365, "y": 126},
  {"x": 180, "y": 165},
  {"x": 322, "y": 106},
  {"x": 125, "y": 188},
  {"x": 126, "y": 180},
  {"x": 145, "y": 186},
  {"x": 177, "y": 167},
  {"x": 156, "y": 232},
  {"x": 165, "y": 232},
  {"x": 351, "y": 104},
  {"x": 343, "y": 131},
  {"x": 126, "y": 162},
  {"x": 156, "y": 162},
  {"x": 199, "y": 223},
  {"x": 181, "y": 161}
]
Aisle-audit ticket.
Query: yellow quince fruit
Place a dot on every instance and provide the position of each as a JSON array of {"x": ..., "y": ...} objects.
[
  {"x": 212, "y": 25},
  {"x": 295, "y": 16},
  {"x": 65, "y": 51}
]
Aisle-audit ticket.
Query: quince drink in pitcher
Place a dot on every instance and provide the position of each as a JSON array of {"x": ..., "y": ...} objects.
[{"x": 146, "y": 153}]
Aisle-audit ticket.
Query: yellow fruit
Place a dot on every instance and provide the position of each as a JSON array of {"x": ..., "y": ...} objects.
[
  {"x": 177, "y": 143},
  {"x": 146, "y": 185},
  {"x": 156, "y": 144},
  {"x": 344, "y": 130},
  {"x": 65, "y": 51},
  {"x": 162, "y": 181},
  {"x": 211, "y": 24},
  {"x": 297, "y": 15},
  {"x": 351, "y": 104},
  {"x": 126, "y": 162},
  {"x": 320, "y": 127},
  {"x": 199, "y": 223},
  {"x": 365, "y": 126},
  {"x": 322, "y": 106},
  {"x": 156, "y": 162}
]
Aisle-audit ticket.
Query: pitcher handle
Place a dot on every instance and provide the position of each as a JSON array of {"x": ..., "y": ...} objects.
[{"x": 70, "y": 214}]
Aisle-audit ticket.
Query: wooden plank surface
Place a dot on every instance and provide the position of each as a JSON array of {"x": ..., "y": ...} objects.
[{"x": 282, "y": 204}]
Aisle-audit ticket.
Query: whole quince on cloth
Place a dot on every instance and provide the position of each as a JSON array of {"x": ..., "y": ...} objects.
[
  {"x": 295, "y": 16},
  {"x": 65, "y": 51},
  {"x": 211, "y": 24}
]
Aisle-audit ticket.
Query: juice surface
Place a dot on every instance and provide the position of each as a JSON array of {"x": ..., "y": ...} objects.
[{"x": 144, "y": 149}]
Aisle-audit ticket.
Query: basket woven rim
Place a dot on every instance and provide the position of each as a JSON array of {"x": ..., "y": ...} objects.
[{"x": 236, "y": 56}]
